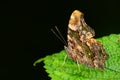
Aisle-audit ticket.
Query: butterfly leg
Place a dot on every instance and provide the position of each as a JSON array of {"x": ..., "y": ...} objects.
[
  {"x": 65, "y": 55},
  {"x": 64, "y": 60},
  {"x": 78, "y": 65}
]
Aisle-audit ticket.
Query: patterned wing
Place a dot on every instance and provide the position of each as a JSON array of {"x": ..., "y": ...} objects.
[{"x": 82, "y": 47}]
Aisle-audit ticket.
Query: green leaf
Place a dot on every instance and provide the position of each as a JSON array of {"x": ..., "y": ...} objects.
[{"x": 70, "y": 71}]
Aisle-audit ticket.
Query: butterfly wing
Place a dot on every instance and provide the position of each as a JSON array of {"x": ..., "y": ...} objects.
[{"x": 82, "y": 47}]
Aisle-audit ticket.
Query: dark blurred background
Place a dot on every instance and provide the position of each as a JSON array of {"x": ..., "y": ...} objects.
[{"x": 26, "y": 31}]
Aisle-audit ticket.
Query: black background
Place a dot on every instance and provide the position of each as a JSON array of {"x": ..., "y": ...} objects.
[{"x": 26, "y": 31}]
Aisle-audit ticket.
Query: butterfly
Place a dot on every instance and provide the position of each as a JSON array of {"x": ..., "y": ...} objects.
[{"x": 81, "y": 46}]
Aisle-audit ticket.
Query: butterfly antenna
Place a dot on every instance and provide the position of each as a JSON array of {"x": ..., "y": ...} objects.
[
  {"x": 58, "y": 36},
  {"x": 61, "y": 35}
]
